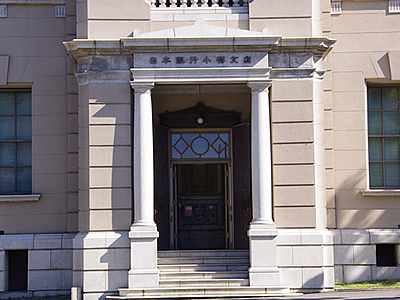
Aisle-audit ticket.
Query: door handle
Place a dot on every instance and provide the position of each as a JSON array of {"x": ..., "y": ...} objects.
[{"x": 248, "y": 211}]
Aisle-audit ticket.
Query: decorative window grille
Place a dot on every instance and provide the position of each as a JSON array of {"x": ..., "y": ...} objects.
[
  {"x": 394, "y": 6},
  {"x": 336, "y": 7},
  {"x": 199, "y": 3},
  {"x": 3, "y": 11},
  {"x": 211, "y": 145},
  {"x": 60, "y": 11}
]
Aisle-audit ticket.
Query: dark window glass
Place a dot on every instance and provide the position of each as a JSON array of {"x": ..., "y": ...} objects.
[
  {"x": 15, "y": 142},
  {"x": 384, "y": 137}
]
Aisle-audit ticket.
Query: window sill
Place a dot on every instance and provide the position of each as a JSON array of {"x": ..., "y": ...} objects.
[
  {"x": 19, "y": 198},
  {"x": 381, "y": 193}
]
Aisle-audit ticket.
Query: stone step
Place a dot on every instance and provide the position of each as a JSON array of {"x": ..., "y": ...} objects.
[
  {"x": 203, "y": 260},
  {"x": 216, "y": 282},
  {"x": 201, "y": 292},
  {"x": 202, "y": 267},
  {"x": 204, "y": 275},
  {"x": 203, "y": 253}
]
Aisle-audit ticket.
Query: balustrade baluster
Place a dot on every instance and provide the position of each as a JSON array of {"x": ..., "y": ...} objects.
[
  {"x": 153, "y": 3},
  {"x": 204, "y": 3},
  {"x": 173, "y": 3},
  {"x": 214, "y": 3},
  {"x": 193, "y": 3},
  {"x": 245, "y": 3},
  {"x": 225, "y": 3},
  {"x": 235, "y": 3},
  {"x": 163, "y": 3},
  {"x": 183, "y": 3}
]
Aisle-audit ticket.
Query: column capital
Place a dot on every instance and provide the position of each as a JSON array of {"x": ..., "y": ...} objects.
[
  {"x": 259, "y": 86},
  {"x": 142, "y": 87}
]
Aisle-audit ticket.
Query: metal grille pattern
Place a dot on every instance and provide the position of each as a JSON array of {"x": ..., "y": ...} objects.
[{"x": 200, "y": 145}]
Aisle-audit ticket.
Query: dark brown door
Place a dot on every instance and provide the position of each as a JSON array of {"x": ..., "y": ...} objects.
[
  {"x": 241, "y": 184},
  {"x": 201, "y": 206},
  {"x": 161, "y": 186}
]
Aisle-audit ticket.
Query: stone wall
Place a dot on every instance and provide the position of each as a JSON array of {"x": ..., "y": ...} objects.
[
  {"x": 49, "y": 263},
  {"x": 355, "y": 254}
]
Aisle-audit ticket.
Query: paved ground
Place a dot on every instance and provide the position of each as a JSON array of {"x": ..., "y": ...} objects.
[{"x": 377, "y": 294}]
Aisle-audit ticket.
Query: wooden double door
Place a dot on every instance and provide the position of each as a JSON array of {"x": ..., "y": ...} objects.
[{"x": 203, "y": 204}]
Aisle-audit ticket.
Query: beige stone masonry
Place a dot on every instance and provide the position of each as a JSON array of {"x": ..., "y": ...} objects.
[
  {"x": 355, "y": 254},
  {"x": 49, "y": 262}
]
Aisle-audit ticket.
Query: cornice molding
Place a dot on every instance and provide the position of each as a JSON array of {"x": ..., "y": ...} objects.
[{"x": 82, "y": 47}]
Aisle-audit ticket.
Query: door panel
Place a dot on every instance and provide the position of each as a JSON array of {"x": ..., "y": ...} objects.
[
  {"x": 200, "y": 206},
  {"x": 241, "y": 184},
  {"x": 161, "y": 185}
]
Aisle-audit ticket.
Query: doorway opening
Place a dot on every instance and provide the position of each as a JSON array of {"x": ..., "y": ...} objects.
[
  {"x": 202, "y": 179},
  {"x": 201, "y": 206}
]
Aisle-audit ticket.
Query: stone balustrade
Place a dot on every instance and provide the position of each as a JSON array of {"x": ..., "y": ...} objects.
[{"x": 198, "y": 3}]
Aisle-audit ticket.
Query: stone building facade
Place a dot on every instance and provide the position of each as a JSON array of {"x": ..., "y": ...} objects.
[{"x": 175, "y": 147}]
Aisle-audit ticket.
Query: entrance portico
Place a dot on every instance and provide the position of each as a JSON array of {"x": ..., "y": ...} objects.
[
  {"x": 263, "y": 272},
  {"x": 204, "y": 55}
]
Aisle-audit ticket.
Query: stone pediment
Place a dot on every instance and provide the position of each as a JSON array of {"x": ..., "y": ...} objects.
[{"x": 199, "y": 29}]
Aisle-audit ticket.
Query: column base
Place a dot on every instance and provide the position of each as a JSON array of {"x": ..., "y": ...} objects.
[
  {"x": 264, "y": 276},
  {"x": 143, "y": 278},
  {"x": 263, "y": 269},
  {"x": 143, "y": 272}
]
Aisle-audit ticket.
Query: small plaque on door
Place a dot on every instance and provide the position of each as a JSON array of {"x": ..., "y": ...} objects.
[{"x": 188, "y": 210}]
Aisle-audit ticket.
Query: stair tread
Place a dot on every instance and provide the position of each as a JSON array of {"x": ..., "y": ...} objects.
[
  {"x": 206, "y": 272},
  {"x": 204, "y": 279},
  {"x": 199, "y": 288},
  {"x": 197, "y": 264}
]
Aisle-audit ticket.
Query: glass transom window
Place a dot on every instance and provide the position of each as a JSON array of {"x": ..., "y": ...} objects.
[
  {"x": 383, "y": 137},
  {"x": 205, "y": 145},
  {"x": 15, "y": 142}
]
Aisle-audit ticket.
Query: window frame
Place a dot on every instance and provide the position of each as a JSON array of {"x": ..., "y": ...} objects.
[
  {"x": 10, "y": 196},
  {"x": 383, "y": 188}
]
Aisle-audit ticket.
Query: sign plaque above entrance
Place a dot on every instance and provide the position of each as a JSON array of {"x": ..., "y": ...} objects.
[{"x": 201, "y": 60}]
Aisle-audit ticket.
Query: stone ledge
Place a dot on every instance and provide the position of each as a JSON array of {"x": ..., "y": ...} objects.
[
  {"x": 381, "y": 193},
  {"x": 20, "y": 198}
]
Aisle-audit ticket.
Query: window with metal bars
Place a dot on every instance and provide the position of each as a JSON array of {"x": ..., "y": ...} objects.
[
  {"x": 15, "y": 142},
  {"x": 384, "y": 137}
]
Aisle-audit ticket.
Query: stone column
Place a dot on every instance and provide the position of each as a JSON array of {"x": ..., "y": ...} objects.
[
  {"x": 143, "y": 233},
  {"x": 262, "y": 233}
]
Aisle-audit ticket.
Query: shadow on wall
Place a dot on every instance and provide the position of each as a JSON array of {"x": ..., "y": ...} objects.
[
  {"x": 354, "y": 211},
  {"x": 111, "y": 203}
]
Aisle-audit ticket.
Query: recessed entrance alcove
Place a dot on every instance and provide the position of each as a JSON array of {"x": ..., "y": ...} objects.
[{"x": 209, "y": 194}]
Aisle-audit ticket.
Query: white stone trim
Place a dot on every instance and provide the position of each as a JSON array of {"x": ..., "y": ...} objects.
[
  {"x": 59, "y": 11},
  {"x": 200, "y": 75},
  {"x": 3, "y": 11},
  {"x": 394, "y": 6},
  {"x": 336, "y": 7},
  {"x": 19, "y": 198},
  {"x": 380, "y": 193},
  {"x": 174, "y": 41}
]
